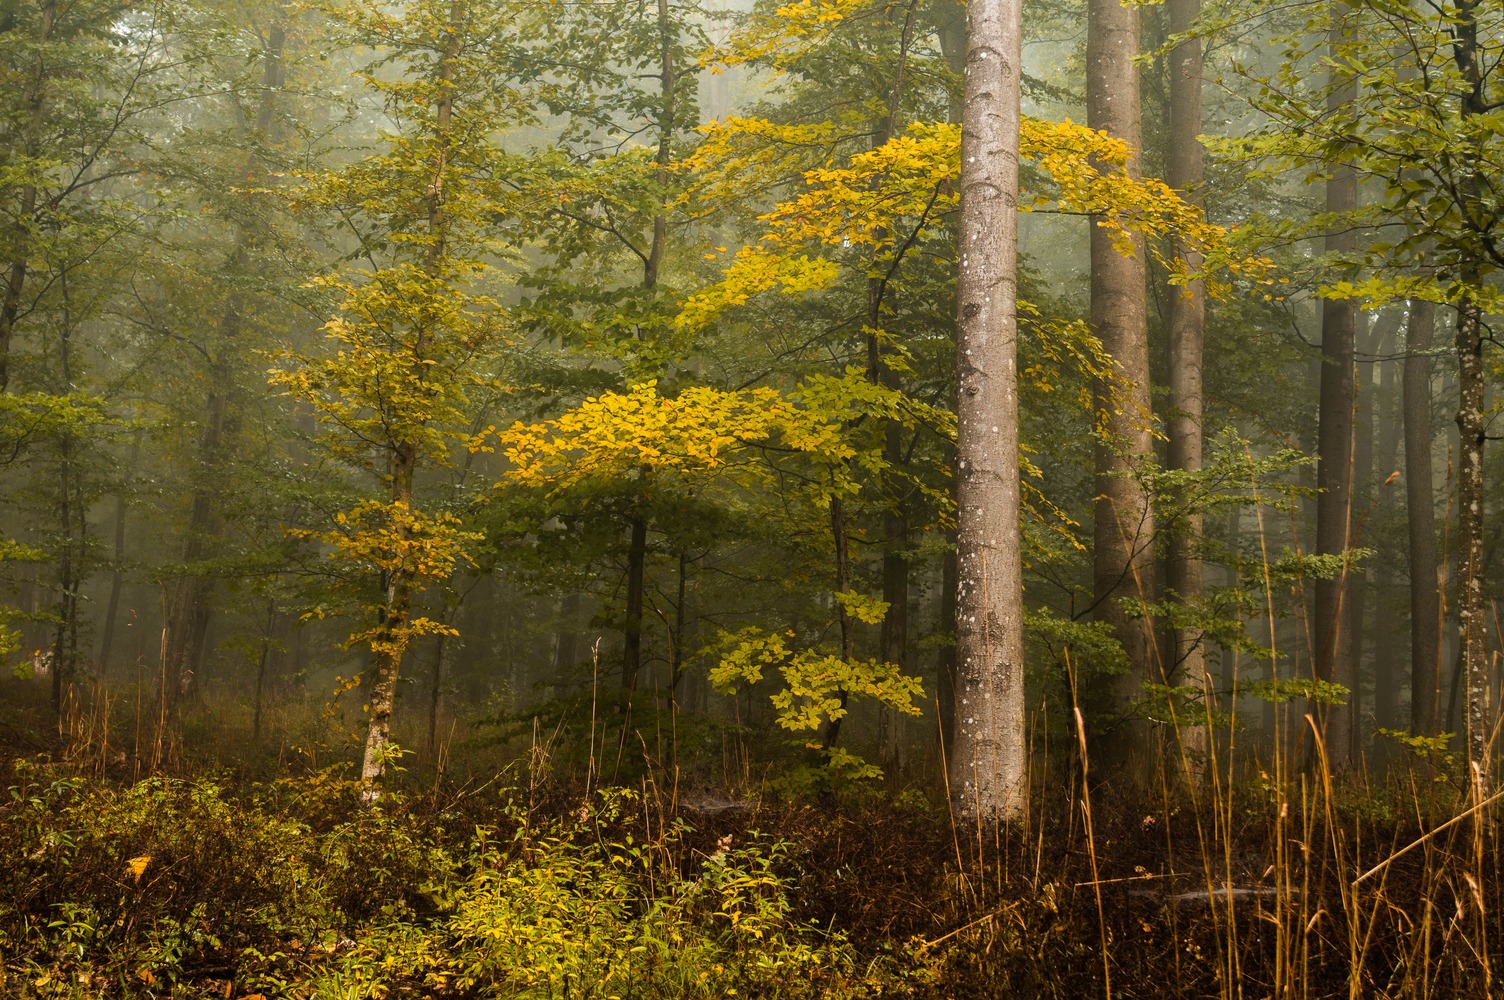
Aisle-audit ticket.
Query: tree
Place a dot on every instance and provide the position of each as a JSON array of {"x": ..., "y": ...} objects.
[
  {"x": 989, "y": 751},
  {"x": 408, "y": 342},
  {"x": 1186, "y": 328},
  {"x": 1123, "y": 529},
  {"x": 1334, "y": 640}
]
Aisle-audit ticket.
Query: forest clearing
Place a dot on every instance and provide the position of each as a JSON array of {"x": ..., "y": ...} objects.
[{"x": 818, "y": 499}]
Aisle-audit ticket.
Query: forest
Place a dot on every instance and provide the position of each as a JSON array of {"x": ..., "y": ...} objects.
[{"x": 793, "y": 499}]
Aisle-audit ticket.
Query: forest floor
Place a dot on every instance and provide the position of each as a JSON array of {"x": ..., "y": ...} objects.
[{"x": 243, "y": 883}]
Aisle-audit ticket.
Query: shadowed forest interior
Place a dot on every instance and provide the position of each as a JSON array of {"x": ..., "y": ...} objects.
[{"x": 639, "y": 498}]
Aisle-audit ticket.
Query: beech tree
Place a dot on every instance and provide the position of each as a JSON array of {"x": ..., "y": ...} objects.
[
  {"x": 408, "y": 343},
  {"x": 1123, "y": 529},
  {"x": 989, "y": 758}
]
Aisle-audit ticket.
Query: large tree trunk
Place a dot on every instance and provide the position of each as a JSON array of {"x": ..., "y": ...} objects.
[
  {"x": 1123, "y": 536},
  {"x": 1425, "y": 585},
  {"x": 1187, "y": 325},
  {"x": 989, "y": 773},
  {"x": 1333, "y": 659}
]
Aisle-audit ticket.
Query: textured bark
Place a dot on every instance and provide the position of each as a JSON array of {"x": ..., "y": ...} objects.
[
  {"x": 989, "y": 754},
  {"x": 1332, "y": 656},
  {"x": 1123, "y": 535},
  {"x": 1186, "y": 327},
  {"x": 1472, "y": 425}
]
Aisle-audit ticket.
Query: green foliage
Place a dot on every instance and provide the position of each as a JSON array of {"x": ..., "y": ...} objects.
[
  {"x": 816, "y": 683},
  {"x": 133, "y": 891},
  {"x": 1286, "y": 689}
]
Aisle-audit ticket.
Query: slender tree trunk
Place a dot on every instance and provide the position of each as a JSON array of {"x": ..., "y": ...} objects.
[
  {"x": 1333, "y": 659},
  {"x": 1187, "y": 324},
  {"x": 117, "y": 574},
  {"x": 388, "y": 646},
  {"x": 20, "y": 251},
  {"x": 1124, "y": 521},
  {"x": 678, "y": 655},
  {"x": 391, "y": 640},
  {"x": 945, "y": 656},
  {"x": 1389, "y": 678},
  {"x": 1472, "y": 424},
  {"x": 566, "y": 642},
  {"x": 637, "y": 552},
  {"x": 1359, "y": 580},
  {"x": 989, "y": 772},
  {"x": 261, "y": 663},
  {"x": 843, "y": 586},
  {"x": 893, "y": 633},
  {"x": 1420, "y": 501},
  {"x": 191, "y": 607}
]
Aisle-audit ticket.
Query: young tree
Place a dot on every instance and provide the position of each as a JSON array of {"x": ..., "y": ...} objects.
[{"x": 406, "y": 344}]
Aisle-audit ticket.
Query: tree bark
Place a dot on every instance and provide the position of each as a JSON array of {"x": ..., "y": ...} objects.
[
  {"x": 988, "y": 760},
  {"x": 1472, "y": 425},
  {"x": 1187, "y": 329},
  {"x": 1123, "y": 533},
  {"x": 1420, "y": 507},
  {"x": 1333, "y": 659}
]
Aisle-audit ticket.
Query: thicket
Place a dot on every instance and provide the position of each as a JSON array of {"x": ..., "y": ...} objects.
[{"x": 272, "y": 879}]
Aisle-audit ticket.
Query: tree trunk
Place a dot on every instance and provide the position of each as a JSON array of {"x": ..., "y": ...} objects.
[
  {"x": 20, "y": 250},
  {"x": 190, "y": 609},
  {"x": 632, "y": 628},
  {"x": 1123, "y": 535},
  {"x": 989, "y": 773},
  {"x": 1186, "y": 326},
  {"x": 117, "y": 574},
  {"x": 1389, "y": 679},
  {"x": 1472, "y": 425},
  {"x": 391, "y": 640},
  {"x": 1333, "y": 655},
  {"x": 261, "y": 662},
  {"x": 1420, "y": 507},
  {"x": 1360, "y": 580},
  {"x": 388, "y": 645},
  {"x": 843, "y": 586}
]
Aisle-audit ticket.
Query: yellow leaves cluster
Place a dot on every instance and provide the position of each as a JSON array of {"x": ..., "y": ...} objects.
[
  {"x": 395, "y": 538},
  {"x": 883, "y": 193},
  {"x": 609, "y": 435},
  {"x": 817, "y": 684},
  {"x": 788, "y": 32}
]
